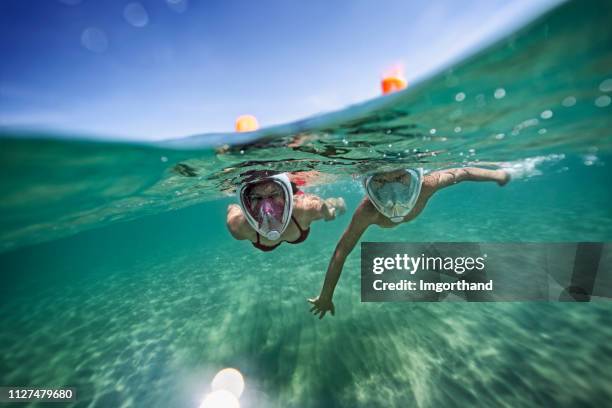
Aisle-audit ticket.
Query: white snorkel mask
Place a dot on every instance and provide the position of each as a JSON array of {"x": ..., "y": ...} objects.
[
  {"x": 269, "y": 214},
  {"x": 394, "y": 199}
]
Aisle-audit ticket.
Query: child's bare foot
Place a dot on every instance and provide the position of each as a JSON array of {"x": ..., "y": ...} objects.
[{"x": 504, "y": 177}]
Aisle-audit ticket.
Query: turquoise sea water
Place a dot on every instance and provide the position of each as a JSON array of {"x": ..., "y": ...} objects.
[{"x": 120, "y": 279}]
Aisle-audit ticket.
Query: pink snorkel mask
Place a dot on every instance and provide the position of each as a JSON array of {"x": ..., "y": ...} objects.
[{"x": 268, "y": 215}]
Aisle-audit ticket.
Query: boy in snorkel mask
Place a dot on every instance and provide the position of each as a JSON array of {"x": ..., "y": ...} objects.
[{"x": 392, "y": 198}]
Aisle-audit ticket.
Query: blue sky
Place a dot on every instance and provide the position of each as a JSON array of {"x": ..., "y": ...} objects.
[{"x": 158, "y": 69}]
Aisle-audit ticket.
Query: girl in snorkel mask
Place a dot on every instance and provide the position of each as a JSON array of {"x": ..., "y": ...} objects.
[
  {"x": 272, "y": 210},
  {"x": 392, "y": 198}
]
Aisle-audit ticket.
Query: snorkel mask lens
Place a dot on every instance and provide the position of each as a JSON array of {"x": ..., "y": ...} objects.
[
  {"x": 394, "y": 195},
  {"x": 267, "y": 205},
  {"x": 270, "y": 217}
]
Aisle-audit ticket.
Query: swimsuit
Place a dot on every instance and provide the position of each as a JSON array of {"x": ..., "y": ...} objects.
[{"x": 303, "y": 235}]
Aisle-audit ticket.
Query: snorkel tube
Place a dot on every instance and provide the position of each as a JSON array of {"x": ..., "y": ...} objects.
[{"x": 271, "y": 224}]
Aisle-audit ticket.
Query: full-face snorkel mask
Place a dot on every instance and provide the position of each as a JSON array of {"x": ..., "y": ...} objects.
[
  {"x": 268, "y": 214},
  {"x": 394, "y": 199}
]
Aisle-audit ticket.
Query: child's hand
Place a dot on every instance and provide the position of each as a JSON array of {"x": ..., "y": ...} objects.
[{"x": 322, "y": 306}]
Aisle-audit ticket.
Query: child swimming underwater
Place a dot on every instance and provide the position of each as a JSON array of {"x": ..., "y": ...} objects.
[{"x": 392, "y": 198}]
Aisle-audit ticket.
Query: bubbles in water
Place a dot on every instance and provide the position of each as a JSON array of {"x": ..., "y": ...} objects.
[
  {"x": 524, "y": 124},
  {"x": 499, "y": 93},
  {"x": 460, "y": 97},
  {"x": 179, "y": 6},
  {"x": 432, "y": 131},
  {"x": 602, "y": 101},
  {"x": 220, "y": 399},
  {"x": 164, "y": 159},
  {"x": 457, "y": 129},
  {"x": 589, "y": 159},
  {"x": 547, "y": 114},
  {"x": 606, "y": 85},
  {"x": 569, "y": 101},
  {"x": 136, "y": 15},
  {"x": 542, "y": 131},
  {"x": 229, "y": 379},
  {"x": 529, "y": 167},
  {"x": 94, "y": 39},
  {"x": 500, "y": 136}
]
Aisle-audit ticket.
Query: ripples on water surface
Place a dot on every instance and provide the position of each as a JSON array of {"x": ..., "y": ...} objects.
[
  {"x": 145, "y": 312},
  {"x": 541, "y": 91}
]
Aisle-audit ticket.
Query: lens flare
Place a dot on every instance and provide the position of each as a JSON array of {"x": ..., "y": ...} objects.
[
  {"x": 229, "y": 379},
  {"x": 220, "y": 399}
]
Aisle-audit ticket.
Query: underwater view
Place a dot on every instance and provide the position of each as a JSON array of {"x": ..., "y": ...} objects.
[{"x": 121, "y": 279}]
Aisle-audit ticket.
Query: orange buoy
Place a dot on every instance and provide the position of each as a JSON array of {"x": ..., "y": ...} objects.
[
  {"x": 246, "y": 123},
  {"x": 392, "y": 83}
]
